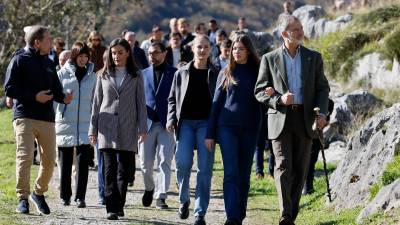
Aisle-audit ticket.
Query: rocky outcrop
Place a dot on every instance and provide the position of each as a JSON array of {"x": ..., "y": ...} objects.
[
  {"x": 314, "y": 25},
  {"x": 335, "y": 153},
  {"x": 368, "y": 152},
  {"x": 357, "y": 104},
  {"x": 262, "y": 41},
  {"x": 387, "y": 198},
  {"x": 373, "y": 72}
]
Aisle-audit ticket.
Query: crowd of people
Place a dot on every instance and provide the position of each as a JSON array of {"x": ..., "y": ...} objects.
[{"x": 172, "y": 96}]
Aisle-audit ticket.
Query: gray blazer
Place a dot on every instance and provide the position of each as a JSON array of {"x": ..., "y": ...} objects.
[
  {"x": 315, "y": 88},
  {"x": 178, "y": 92},
  {"x": 118, "y": 114}
]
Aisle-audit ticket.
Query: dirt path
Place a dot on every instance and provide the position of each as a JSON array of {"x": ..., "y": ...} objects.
[{"x": 135, "y": 213}]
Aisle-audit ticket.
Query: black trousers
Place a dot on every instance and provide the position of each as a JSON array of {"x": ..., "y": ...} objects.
[
  {"x": 117, "y": 171},
  {"x": 315, "y": 149},
  {"x": 65, "y": 155}
]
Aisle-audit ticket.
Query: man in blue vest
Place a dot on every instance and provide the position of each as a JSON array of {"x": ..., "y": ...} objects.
[{"x": 159, "y": 142}]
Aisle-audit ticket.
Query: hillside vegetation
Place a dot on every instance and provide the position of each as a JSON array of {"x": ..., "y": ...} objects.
[{"x": 373, "y": 31}]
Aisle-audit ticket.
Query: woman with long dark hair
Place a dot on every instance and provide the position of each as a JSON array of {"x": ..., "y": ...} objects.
[
  {"x": 118, "y": 121},
  {"x": 234, "y": 122},
  {"x": 72, "y": 123},
  {"x": 189, "y": 106}
]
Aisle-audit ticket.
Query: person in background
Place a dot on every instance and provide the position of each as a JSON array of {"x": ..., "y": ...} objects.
[
  {"x": 118, "y": 122},
  {"x": 173, "y": 28},
  {"x": 200, "y": 29},
  {"x": 222, "y": 60},
  {"x": 156, "y": 36},
  {"x": 72, "y": 123},
  {"x": 139, "y": 56},
  {"x": 176, "y": 53},
  {"x": 262, "y": 144},
  {"x": 315, "y": 149},
  {"x": 220, "y": 36},
  {"x": 100, "y": 156},
  {"x": 212, "y": 24},
  {"x": 235, "y": 123},
  {"x": 33, "y": 84},
  {"x": 63, "y": 58},
  {"x": 242, "y": 24},
  {"x": 95, "y": 43},
  {"x": 58, "y": 47},
  {"x": 189, "y": 106},
  {"x": 287, "y": 10},
  {"x": 159, "y": 143},
  {"x": 183, "y": 27}
]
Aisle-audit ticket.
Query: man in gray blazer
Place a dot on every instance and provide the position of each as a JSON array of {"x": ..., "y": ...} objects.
[{"x": 296, "y": 73}]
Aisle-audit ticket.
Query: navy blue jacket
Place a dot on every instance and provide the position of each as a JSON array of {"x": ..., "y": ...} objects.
[
  {"x": 28, "y": 74},
  {"x": 157, "y": 99},
  {"x": 237, "y": 106}
]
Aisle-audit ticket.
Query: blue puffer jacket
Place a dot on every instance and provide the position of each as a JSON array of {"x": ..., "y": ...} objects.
[{"x": 72, "y": 121}]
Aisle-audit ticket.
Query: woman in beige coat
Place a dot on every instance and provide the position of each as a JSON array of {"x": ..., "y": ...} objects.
[{"x": 118, "y": 121}]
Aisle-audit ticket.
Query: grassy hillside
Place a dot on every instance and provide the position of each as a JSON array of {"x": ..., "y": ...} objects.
[{"x": 377, "y": 30}]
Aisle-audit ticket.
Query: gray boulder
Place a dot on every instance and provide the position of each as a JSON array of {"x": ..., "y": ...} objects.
[
  {"x": 387, "y": 198},
  {"x": 262, "y": 41},
  {"x": 314, "y": 25},
  {"x": 368, "y": 152},
  {"x": 335, "y": 153},
  {"x": 346, "y": 109}
]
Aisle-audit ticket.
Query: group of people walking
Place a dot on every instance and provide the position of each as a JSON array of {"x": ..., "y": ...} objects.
[{"x": 172, "y": 108}]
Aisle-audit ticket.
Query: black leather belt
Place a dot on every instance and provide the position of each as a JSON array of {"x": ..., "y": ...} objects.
[{"x": 295, "y": 107}]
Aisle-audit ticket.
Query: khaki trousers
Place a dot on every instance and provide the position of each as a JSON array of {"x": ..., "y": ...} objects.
[{"x": 26, "y": 130}]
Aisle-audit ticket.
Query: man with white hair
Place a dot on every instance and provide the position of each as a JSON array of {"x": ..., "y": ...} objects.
[
  {"x": 139, "y": 56},
  {"x": 63, "y": 58},
  {"x": 296, "y": 74}
]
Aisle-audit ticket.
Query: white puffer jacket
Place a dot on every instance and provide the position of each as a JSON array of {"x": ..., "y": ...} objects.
[{"x": 72, "y": 120}]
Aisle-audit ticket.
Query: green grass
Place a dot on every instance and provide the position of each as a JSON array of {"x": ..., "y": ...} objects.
[{"x": 8, "y": 199}]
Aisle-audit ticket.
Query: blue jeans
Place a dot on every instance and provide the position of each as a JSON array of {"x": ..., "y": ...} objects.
[
  {"x": 192, "y": 134},
  {"x": 237, "y": 147},
  {"x": 100, "y": 173}
]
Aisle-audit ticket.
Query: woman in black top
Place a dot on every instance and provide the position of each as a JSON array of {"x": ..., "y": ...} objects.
[{"x": 189, "y": 106}]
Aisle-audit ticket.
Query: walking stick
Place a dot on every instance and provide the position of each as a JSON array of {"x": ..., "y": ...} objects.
[{"x": 321, "y": 141}]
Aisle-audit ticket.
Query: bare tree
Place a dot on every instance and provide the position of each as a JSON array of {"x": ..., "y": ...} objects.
[{"x": 70, "y": 19}]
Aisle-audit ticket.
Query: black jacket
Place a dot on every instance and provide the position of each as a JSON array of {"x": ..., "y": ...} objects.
[
  {"x": 140, "y": 58},
  {"x": 186, "y": 55},
  {"x": 28, "y": 74}
]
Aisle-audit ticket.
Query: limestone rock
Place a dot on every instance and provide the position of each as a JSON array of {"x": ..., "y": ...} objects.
[{"x": 368, "y": 152}]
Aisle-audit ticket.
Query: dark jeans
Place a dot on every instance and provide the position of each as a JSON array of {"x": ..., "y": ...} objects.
[
  {"x": 117, "y": 170},
  {"x": 66, "y": 155},
  {"x": 237, "y": 148},
  {"x": 100, "y": 174},
  {"x": 315, "y": 148}
]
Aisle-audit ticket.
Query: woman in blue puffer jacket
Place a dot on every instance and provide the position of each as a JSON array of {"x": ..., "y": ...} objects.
[{"x": 72, "y": 123}]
